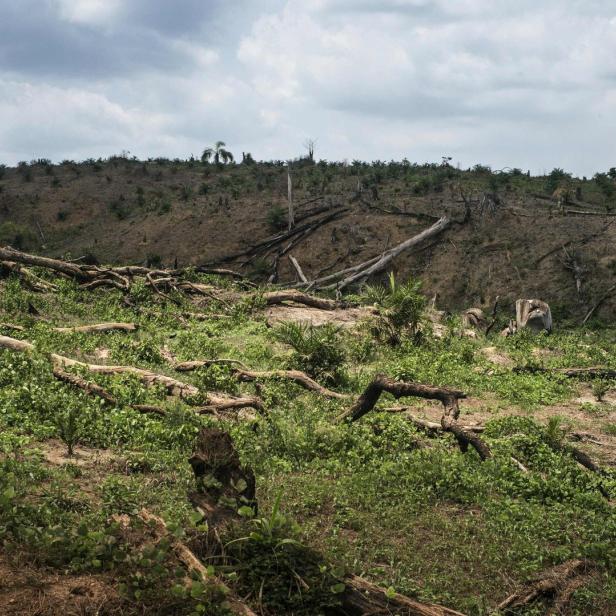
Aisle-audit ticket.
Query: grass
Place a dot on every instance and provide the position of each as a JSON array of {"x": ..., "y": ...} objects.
[{"x": 378, "y": 497}]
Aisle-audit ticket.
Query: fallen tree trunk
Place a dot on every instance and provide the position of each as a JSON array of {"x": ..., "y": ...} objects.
[
  {"x": 147, "y": 377},
  {"x": 436, "y": 229},
  {"x": 244, "y": 374},
  {"x": 426, "y": 424},
  {"x": 188, "y": 558},
  {"x": 598, "y": 303},
  {"x": 97, "y": 390},
  {"x": 364, "y": 598},
  {"x": 98, "y": 327},
  {"x": 297, "y": 297},
  {"x": 448, "y": 397},
  {"x": 30, "y": 280}
]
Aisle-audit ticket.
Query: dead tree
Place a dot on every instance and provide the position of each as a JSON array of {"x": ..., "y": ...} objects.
[{"x": 448, "y": 397}]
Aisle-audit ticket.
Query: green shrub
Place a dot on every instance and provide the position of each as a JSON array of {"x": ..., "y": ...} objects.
[
  {"x": 276, "y": 218},
  {"x": 400, "y": 310},
  {"x": 317, "y": 349}
]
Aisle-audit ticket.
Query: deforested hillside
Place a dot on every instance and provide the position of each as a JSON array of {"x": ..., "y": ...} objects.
[{"x": 511, "y": 235}]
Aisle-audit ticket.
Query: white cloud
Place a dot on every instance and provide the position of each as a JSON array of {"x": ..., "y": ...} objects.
[
  {"x": 89, "y": 12},
  {"x": 507, "y": 84}
]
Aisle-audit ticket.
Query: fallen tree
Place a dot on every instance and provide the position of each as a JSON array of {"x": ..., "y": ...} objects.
[
  {"x": 360, "y": 272},
  {"x": 297, "y": 297},
  {"x": 174, "y": 387},
  {"x": 244, "y": 374},
  {"x": 162, "y": 281},
  {"x": 448, "y": 397}
]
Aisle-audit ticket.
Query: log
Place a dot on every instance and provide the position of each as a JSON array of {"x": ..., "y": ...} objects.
[
  {"x": 97, "y": 390},
  {"x": 98, "y": 327},
  {"x": 448, "y": 397},
  {"x": 363, "y": 597},
  {"x": 298, "y": 269},
  {"x": 383, "y": 261},
  {"x": 297, "y": 297},
  {"x": 246, "y": 375},
  {"x": 147, "y": 377},
  {"x": 552, "y": 583},
  {"x": 301, "y": 378},
  {"x": 425, "y": 424},
  {"x": 62, "y": 267},
  {"x": 533, "y": 313},
  {"x": 192, "y": 563},
  {"x": 31, "y": 281}
]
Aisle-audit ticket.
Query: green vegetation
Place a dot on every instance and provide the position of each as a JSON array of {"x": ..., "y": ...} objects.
[{"x": 378, "y": 498}]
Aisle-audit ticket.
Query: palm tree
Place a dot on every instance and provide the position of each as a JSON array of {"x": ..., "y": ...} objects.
[{"x": 218, "y": 153}]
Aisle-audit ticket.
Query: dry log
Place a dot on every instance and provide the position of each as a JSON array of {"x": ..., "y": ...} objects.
[
  {"x": 362, "y": 597},
  {"x": 246, "y": 375},
  {"x": 215, "y": 404},
  {"x": 97, "y": 390},
  {"x": 301, "y": 378},
  {"x": 99, "y": 327},
  {"x": 187, "y": 557},
  {"x": 448, "y": 397},
  {"x": 555, "y": 583},
  {"x": 297, "y": 297},
  {"x": 147, "y": 377},
  {"x": 425, "y": 424},
  {"x": 31, "y": 281},
  {"x": 383, "y": 261},
  {"x": 298, "y": 269},
  {"x": 62, "y": 267}
]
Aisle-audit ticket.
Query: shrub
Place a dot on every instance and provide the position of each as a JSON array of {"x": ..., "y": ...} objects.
[
  {"x": 317, "y": 349},
  {"x": 276, "y": 218},
  {"x": 401, "y": 310}
]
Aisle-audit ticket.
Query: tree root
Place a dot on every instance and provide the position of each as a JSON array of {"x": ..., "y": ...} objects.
[
  {"x": 557, "y": 583},
  {"x": 362, "y": 597},
  {"x": 448, "y": 397}
]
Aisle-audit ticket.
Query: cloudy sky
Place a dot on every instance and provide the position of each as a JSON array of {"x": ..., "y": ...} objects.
[{"x": 528, "y": 84}]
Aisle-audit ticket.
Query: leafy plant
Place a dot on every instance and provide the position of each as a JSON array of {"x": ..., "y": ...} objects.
[
  {"x": 400, "y": 310},
  {"x": 318, "y": 350}
]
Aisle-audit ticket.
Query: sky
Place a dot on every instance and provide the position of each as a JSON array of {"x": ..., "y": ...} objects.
[{"x": 528, "y": 84}]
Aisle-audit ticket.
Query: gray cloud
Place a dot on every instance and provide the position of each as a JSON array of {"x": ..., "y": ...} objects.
[{"x": 508, "y": 84}]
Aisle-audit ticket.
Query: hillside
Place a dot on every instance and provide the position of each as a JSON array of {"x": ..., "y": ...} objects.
[{"x": 128, "y": 211}]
